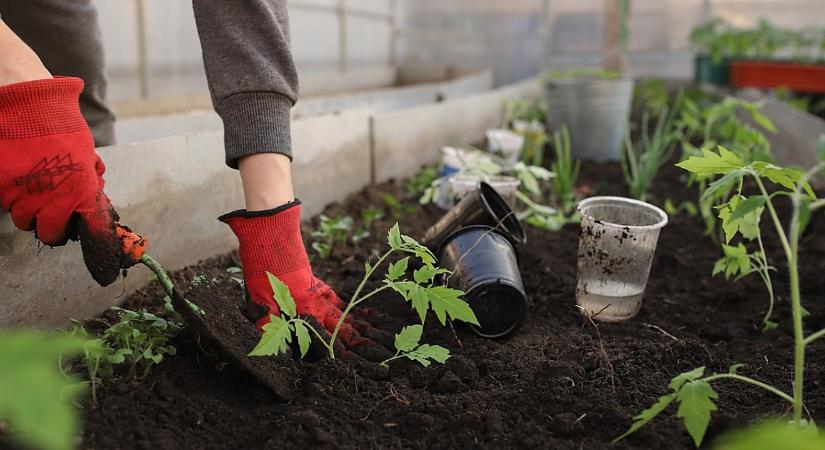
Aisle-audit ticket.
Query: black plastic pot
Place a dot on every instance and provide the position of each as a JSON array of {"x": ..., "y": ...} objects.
[
  {"x": 483, "y": 207},
  {"x": 484, "y": 265}
]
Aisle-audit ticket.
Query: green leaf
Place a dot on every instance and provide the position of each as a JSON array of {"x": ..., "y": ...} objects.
[
  {"x": 722, "y": 185},
  {"x": 763, "y": 120},
  {"x": 447, "y": 302},
  {"x": 749, "y": 204},
  {"x": 769, "y": 325},
  {"x": 407, "y": 340},
  {"x": 711, "y": 163},
  {"x": 735, "y": 261},
  {"x": 397, "y": 269},
  {"x": 695, "y": 405},
  {"x": 394, "y": 237},
  {"x": 302, "y": 333},
  {"x": 427, "y": 273},
  {"x": 647, "y": 415},
  {"x": 691, "y": 375},
  {"x": 734, "y": 368},
  {"x": 747, "y": 225},
  {"x": 36, "y": 399},
  {"x": 426, "y": 352},
  {"x": 282, "y": 296},
  {"x": 275, "y": 339},
  {"x": 410, "y": 245},
  {"x": 784, "y": 176}
]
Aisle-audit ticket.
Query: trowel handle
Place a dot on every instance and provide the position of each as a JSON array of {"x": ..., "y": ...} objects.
[{"x": 133, "y": 245}]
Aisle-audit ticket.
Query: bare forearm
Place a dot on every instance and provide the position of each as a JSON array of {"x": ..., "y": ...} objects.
[{"x": 18, "y": 62}]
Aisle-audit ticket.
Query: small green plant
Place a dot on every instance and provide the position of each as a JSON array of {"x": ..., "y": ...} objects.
[
  {"x": 397, "y": 208},
  {"x": 738, "y": 261},
  {"x": 721, "y": 40},
  {"x": 641, "y": 163},
  {"x": 142, "y": 338},
  {"x": 37, "y": 400},
  {"x": 685, "y": 207},
  {"x": 98, "y": 357},
  {"x": 532, "y": 151},
  {"x": 421, "y": 181},
  {"x": 407, "y": 346},
  {"x": 650, "y": 96},
  {"x": 525, "y": 111},
  {"x": 566, "y": 170},
  {"x": 423, "y": 292},
  {"x": 368, "y": 217},
  {"x": 332, "y": 231},
  {"x": 693, "y": 390},
  {"x": 236, "y": 275}
]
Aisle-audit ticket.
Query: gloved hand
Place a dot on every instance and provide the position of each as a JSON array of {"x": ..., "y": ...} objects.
[
  {"x": 51, "y": 179},
  {"x": 270, "y": 241}
]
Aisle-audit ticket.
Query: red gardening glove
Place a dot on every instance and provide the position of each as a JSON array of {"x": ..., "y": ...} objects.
[
  {"x": 51, "y": 178},
  {"x": 270, "y": 241}
]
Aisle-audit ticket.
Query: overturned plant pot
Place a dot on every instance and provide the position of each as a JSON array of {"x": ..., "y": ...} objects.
[
  {"x": 482, "y": 207},
  {"x": 484, "y": 265},
  {"x": 595, "y": 110}
]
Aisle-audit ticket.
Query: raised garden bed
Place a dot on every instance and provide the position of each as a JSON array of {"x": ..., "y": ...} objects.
[{"x": 556, "y": 383}]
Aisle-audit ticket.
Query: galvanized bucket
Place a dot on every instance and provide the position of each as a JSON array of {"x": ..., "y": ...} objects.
[{"x": 595, "y": 111}]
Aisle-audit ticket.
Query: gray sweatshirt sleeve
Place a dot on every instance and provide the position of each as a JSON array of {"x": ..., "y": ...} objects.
[{"x": 251, "y": 74}]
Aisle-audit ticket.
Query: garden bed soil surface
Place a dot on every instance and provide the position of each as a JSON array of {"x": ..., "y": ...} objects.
[{"x": 558, "y": 382}]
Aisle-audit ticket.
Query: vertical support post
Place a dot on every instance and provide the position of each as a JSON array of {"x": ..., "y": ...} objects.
[
  {"x": 342, "y": 35},
  {"x": 615, "y": 34},
  {"x": 393, "y": 25},
  {"x": 142, "y": 51},
  {"x": 545, "y": 34}
]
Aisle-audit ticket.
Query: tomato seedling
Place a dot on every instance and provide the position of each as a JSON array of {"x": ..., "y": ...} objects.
[
  {"x": 423, "y": 293},
  {"x": 692, "y": 390}
]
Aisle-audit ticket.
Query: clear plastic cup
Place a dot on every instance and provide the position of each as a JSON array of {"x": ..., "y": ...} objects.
[
  {"x": 616, "y": 245},
  {"x": 506, "y": 143},
  {"x": 462, "y": 185}
]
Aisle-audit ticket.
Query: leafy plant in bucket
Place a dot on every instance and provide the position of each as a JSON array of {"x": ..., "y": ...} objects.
[
  {"x": 423, "y": 293},
  {"x": 692, "y": 390}
]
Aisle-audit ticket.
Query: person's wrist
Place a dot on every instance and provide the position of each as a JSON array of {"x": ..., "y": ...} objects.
[{"x": 267, "y": 181}]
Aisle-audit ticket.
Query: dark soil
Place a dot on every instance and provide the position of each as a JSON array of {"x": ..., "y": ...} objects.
[{"x": 558, "y": 382}]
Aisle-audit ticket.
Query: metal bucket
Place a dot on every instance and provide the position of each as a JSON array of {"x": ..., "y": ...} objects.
[{"x": 595, "y": 111}]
